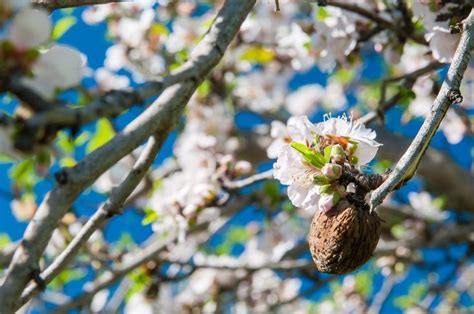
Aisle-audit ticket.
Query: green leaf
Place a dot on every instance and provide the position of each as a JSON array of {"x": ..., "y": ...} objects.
[
  {"x": 272, "y": 190},
  {"x": 316, "y": 159},
  {"x": 65, "y": 143},
  {"x": 4, "y": 240},
  {"x": 104, "y": 132},
  {"x": 4, "y": 158},
  {"x": 82, "y": 138},
  {"x": 326, "y": 189},
  {"x": 322, "y": 14},
  {"x": 382, "y": 166},
  {"x": 239, "y": 235},
  {"x": 398, "y": 231},
  {"x": 440, "y": 201},
  {"x": 417, "y": 290},
  {"x": 344, "y": 76},
  {"x": 150, "y": 216},
  {"x": 403, "y": 302},
  {"x": 62, "y": 26},
  {"x": 140, "y": 280},
  {"x": 159, "y": 29},
  {"x": 67, "y": 276},
  {"x": 67, "y": 162},
  {"x": 23, "y": 174},
  {"x": 406, "y": 95},
  {"x": 204, "y": 89},
  {"x": 258, "y": 55},
  {"x": 288, "y": 207},
  {"x": 327, "y": 154},
  {"x": 363, "y": 283}
]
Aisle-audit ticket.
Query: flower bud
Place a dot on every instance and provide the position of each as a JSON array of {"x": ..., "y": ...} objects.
[
  {"x": 352, "y": 147},
  {"x": 332, "y": 171},
  {"x": 337, "y": 153},
  {"x": 326, "y": 203},
  {"x": 242, "y": 168}
]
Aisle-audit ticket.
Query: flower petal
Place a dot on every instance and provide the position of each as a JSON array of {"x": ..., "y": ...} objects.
[{"x": 30, "y": 28}]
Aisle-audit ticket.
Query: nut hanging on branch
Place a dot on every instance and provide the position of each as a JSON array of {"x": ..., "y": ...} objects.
[{"x": 343, "y": 239}]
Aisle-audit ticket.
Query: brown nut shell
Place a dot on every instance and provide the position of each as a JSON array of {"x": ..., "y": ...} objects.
[{"x": 343, "y": 239}]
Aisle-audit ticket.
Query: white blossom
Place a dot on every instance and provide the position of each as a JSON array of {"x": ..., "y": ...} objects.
[
  {"x": 424, "y": 205},
  {"x": 291, "y": 168},
  {"x": 58, "y": 67},
  {"x": 108, "y": 80},
  {"x": 305, "y": 99},
  {"x": 443, "y": 44},
  {"x": 30, "y": 28}
]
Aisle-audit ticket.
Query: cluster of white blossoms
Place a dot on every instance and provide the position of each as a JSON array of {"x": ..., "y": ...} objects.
[{"x": 312, "y": 157}]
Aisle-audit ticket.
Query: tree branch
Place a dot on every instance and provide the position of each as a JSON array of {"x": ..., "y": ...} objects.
[
  {"x": 111, "y": 104},
  {"x": 106, "y": 211},
  {"x": 60, "y": 4},
  {"x": 157, "y": 119},
  {"x": 409, "y": 162}
]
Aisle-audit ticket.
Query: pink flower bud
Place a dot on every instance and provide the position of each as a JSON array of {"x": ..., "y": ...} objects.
[
  {"x": 326, "y": 203},
  {"x": 332, "y": 171}
]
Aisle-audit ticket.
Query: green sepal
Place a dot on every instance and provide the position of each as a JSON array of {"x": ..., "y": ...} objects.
[
  {"x": 321, "y": 180},
  {"x": 327, "y": 154}
]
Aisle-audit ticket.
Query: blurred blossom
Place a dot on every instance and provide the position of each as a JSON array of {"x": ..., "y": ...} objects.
[
  {"x": 262, "y": 91},
  {"x": 334, "y": 39},
  {"x": 294, "y": 43},
  {"x": 413, "y": 57},
  {"x": 304, "y": 100},
  {"x": 443, "y": 44},
  {"x": 281, "y": 137},
  {"x": 99, "y": 300},
  {"x": 108, "y": 80},
  {"x": 186, "y": 31},
  {"x": 58, "y": 67},
  {"x": 131, "y": 31},
  {"x": 425, "y": 206},
  {"x": 138, "y": 303},
  {"x": 334, "y": 97},
  {"x": 23, "y": 209},
  {"x": 452, "y": 125},
  {"x": 30, "y": 28}
]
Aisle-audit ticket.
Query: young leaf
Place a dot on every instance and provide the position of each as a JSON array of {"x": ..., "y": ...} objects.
[
  {"x": 103, "y": 133},
  {"x": 62, "y": 26},
  {"x": 315, "y": 159}
]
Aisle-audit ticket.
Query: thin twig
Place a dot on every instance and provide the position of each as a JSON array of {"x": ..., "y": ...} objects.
[{"x": 235, "y": 185}]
